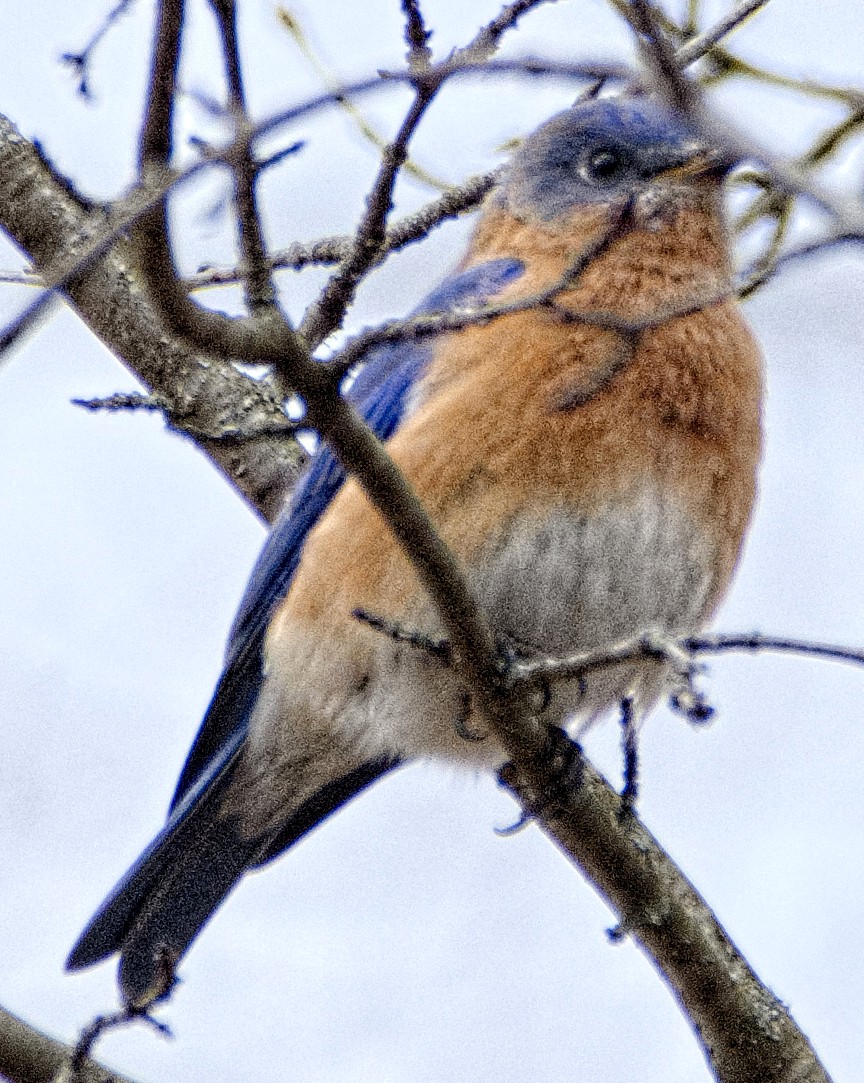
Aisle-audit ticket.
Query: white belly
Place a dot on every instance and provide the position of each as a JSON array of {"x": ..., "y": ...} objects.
[{"x": 564, "y": 584}]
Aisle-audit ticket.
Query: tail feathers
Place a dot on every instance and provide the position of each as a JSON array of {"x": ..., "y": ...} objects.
[
  {"x": 324, "y": 803},
  {"x": 158, "y": 908},
  {"x": 215, "y": 856},
  {"x": 209, "y": 862},
  {"x": 188, "y": 826}
]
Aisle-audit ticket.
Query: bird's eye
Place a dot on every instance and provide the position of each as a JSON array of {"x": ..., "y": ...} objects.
[{"x": 603, "y": 165}]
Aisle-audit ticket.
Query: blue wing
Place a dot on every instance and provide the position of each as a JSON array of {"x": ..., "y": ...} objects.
[
  {"x": 379, "y": 393},
  {"x": 197, "y": 857}
]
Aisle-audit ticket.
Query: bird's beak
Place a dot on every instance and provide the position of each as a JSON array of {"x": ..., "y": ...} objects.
[{"x": 702, "y": 162}]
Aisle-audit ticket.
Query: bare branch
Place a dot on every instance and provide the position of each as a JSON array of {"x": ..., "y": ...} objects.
[
  {"x": 328, "y": 312},
  {"x": 264, "y": 336},
  {"x": 697, "y": 46},
  {"x": 82, "y": 251},
  {"x": 80, "y": 62},
  {"x": 260, "y": 292},
  {"x": 762, "y": 274},
  {"x": 175, "y": 420},
  {"x": 743, "y": 1028},
  {"x": 722, "y": 644},
  {"x": 421, "y": 327},
  {"x": 435, "y": 647},
  {"x": 45, "y": 218},
  {"x": 335, "y": 85},
  {"x": 678, "y": 652},
  {"x": 486, "y": 43},
  {"x": 29, "y": 1056},
  {"x": 413, "y": 227},
  {"x": 528, "y": 67},
  {"x": 123, "y": 400},
  {"x": 21, "y": 278},
  {"x": 416, "y": 36}
]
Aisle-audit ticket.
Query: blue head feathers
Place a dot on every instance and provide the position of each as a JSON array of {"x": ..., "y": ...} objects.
[{"x": 596, "y": 152}]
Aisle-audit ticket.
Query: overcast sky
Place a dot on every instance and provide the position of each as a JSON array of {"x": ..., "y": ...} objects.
[{"x": 404, "y": 940}]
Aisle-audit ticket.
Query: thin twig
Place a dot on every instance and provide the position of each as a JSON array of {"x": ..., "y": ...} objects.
[
  {"x": 795, "y": 255},
  {"x": 677, "y": 651},
  {"x": 264, "y": 336},
  {"x": 422, "y": 327},
  {"x": 178, "y": 422},
  {"x": 327, "y": 313},
  {"x": 723, "y": 643},
  {"x": 260, "y": 292},
  {"x": 766, "y": 266},
  {"x": 413, "y": 227},
  {"x": 416, "y": 36},
  {"x": 335, "y": 85},
  {"x": 630, "y": 750},
  {"x": 697, "y": 46},
  {"x": 80, "y": 62},
  {"x": 124, "y": 400},
  {"x": 529, "y": 67},
  {"x": 434, "y": 647},
  {"x": 831, "y": 140},
  {"x": 488, "y": 38},
  {"x": 725, "y": 65},
  {"x": 21, "y": 278}
]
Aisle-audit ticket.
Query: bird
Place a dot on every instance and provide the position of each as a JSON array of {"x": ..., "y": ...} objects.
[{"x": 589, "y": 455}]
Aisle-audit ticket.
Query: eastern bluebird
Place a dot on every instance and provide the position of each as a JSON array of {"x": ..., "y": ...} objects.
[{"x": 591, "y": 461}]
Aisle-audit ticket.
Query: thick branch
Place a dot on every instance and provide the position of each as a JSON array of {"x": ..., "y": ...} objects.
[
  {"x": 745, "y": 1031},
  {"x": 28, "y": 1056},
  {"x": 42, "y": 214}
]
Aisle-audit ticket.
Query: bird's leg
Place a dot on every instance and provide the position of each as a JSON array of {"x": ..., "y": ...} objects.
[
  {"x": 630, "y": 748},
  {"x": 562, "y": 767},
  {"x": 460, "y": 722}
]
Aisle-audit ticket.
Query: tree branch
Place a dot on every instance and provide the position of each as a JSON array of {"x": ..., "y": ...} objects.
[
  {"x": 29, "y": 1056},
  {"x": 697, "y": 46},
  {"x": 327, "y": 313},
  {"x": 328, "y": 250},
  {"x": 256, "y": 267},
  {"x": 745, "y": 1032},
  {"x": 43, "y": 216}
]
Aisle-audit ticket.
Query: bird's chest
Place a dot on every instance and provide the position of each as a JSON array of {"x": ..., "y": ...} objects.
[
  {"x": 548, "y": 584},
  {"x": 569, "y": 580}
]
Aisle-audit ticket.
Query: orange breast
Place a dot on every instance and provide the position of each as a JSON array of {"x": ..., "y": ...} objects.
[{"x": 497, "y": 433}]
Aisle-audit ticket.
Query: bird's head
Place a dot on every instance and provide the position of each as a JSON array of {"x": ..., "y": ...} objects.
[{"x": 605, "y": 150}]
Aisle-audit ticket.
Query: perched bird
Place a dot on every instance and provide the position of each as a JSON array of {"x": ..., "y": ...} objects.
[{"x": 590, "y": 460}]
